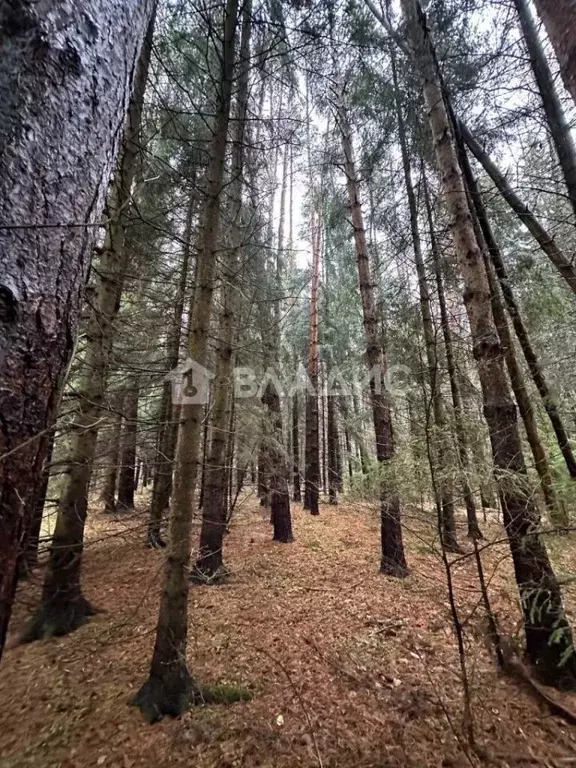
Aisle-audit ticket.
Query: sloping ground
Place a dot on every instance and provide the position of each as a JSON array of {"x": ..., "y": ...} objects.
[{"x": 347, "y": 668}]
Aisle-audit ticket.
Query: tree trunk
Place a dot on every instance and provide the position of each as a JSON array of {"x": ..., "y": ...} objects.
[
  {"x": 312, "y": 448},
  {"x": 487, "y": 243},
  {"x": 530, "y": 355},
  {"x": 324, "y": 442},
  {"x": 558, "y": 125},
  {"x": 333, "y": 473},
  {"x": 58, "y": 152},
  {"x": 548, "y": 634},
  {"x": 297, "y": 495},
  {"x": 559, "y": 17},
  {"x": 278, "y": 476},
  {"x": 30, "y": 559},
  {"x": 111, "y": 474},
  {"x": 393, "y": 560},
  {"x": 170, "y": 689},
  {"x": 126, "y": 480},
  {"x": 169, "y": 411},
  {"x": 440, "y": 448},
  {"x": 209, "y": 567},
  {"x": 348, "y": 452},
  {"x": 461, "y": 437},
  {"x": 542, "y": 237}
]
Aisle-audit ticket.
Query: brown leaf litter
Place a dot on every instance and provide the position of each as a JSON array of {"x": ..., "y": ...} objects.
[{"x": 347, "y": 668}]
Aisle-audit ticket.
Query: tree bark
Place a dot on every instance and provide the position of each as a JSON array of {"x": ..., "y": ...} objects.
[
  {"x": 530, "y": 355},
  {"x": 297, "y": 493},
  {"x": 209, "y": 567},
  {"x": 169, "y": 411},
  {"x": 548, "y": 634},
  {"x": 393, "y": 561},
  {"x": 111, "y": 474},
  {"x": 312, "y": 447},
  {"x": 440, "y": 448},
  {"x": 559, "y": 17},
  {"x": 127, "y": 476},
  {"x": 170, "y": 688},
  {"x": 65, "y": 84},
  {"x": 487, "y": 244},
  {"x": 461, "y": 437},
  {"x": 280, "y": 516},
  {"x": 558, "y": 125},
  {"x": 542, "y": 237},
  {"x": 333, "y": 471}
]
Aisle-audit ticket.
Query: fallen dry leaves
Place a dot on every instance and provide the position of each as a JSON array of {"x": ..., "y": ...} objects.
[{"x": 347, "y": 668}]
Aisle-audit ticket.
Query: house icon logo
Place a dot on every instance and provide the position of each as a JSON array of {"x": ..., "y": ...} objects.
[{"x": 190, "y": 383}]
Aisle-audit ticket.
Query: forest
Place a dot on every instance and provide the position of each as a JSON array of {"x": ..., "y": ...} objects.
[{"x": 287, "y": 383}]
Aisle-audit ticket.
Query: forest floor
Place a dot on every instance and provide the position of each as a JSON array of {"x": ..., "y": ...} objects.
[{"x": 345, "y": 667}]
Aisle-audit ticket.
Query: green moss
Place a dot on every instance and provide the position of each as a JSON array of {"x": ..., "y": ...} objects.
[{"x": 226, "y": 693}]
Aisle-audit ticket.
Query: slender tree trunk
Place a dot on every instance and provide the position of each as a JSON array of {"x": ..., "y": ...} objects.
[
  {"x": 127, "y": 477},
  {"x": 312, "y": 448},
  {"x": 348, "y": 451},
  {"x": 393, "y": 560},
  {"x": 137, "y": 474},
  {"x": 461, "y": 437},
  {"x": 262, "y": 483},
  {"x": 30, "y": 559},
  {"x": 170, "y": 689},
  {"x": 209, "y": 565},
  {"x": 356, "y": 433},
  {"x": 542, "y": 237},
  {"x": 169, "y": 411},
  {"x": 63, "y": 608},
  {"x": 278, "y": 477},
  {"x": 487, "y": 243},
  {"x": 206, "y": 435},
  {"x": 333, "y": 473},
  {"x": 111, "y": 473},
  {"x": 549, "y": 637},
  {"x": 54, "y": 171},
  {"x": 559, "y": 17},
  {"x": 324, "y": 442},
  {"x": 297, "y": 496},
  {"x": 558, "y": 125},
  {"x": 440, "y": 448},
  {"x": 522, "y": 334}
]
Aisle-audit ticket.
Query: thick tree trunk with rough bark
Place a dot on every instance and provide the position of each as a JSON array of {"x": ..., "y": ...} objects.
[
  {"x": 66, "y": 76},
  {"x": 209, "y": 568},
  {"x": 393, "y": 562},
  {"x": 558, "y": 125},
  {"x": 55, "y": 615},
  {"x": 170, "y": 689},
  {"x": 548, "y": 634},
  {"x": 559, "y": 17}
]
